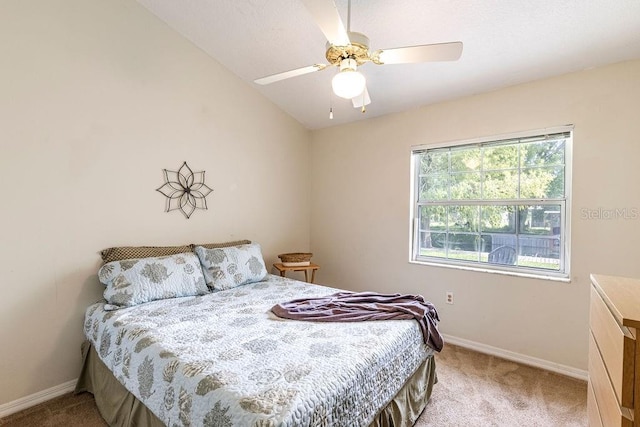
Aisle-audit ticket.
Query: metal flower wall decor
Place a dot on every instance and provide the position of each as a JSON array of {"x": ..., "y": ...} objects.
[{"x": 184, "y": 190}]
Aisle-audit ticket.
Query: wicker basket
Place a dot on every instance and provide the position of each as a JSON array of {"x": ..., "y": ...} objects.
[{"x": 295, "y": 259}]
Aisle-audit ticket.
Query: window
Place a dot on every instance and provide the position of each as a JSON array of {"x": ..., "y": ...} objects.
[{"x": 498, "y": 204}]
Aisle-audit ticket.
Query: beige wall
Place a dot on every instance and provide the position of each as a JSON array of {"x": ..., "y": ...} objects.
[
  {"x": 360, "y": 208},
  {"x": 96, "y": 98}
]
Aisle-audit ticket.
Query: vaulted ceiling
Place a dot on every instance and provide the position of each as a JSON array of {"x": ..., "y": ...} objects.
[{"x": 506, "y": 42}]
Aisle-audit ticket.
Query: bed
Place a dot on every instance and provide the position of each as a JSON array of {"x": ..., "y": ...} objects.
[{"x": 223, "y": 359}]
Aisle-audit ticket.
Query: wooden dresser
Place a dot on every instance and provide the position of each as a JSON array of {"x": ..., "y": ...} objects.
[{"x": 613, "y": 397}]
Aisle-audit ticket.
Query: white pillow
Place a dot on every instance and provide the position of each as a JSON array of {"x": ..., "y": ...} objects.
[
  {"x": 136, "y": 281},
  {"x": 226, "y": 268}
]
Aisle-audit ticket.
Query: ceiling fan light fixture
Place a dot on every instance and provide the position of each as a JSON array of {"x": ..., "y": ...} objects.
[{"x": 348, "y": 83}]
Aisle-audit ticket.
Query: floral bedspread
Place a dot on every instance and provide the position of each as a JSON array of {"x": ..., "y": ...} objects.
[{"x": 223, "y": 359}]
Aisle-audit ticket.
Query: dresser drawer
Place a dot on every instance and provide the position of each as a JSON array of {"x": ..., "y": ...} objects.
[
  {"x": 592, "y": 408},
  {"x": 617, "y": 349},
  {"x": 610, "y": 411}
]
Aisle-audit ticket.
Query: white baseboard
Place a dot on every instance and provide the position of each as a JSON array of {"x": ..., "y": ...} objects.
[
  {"x": 517, "y": 357},
  {"x": 36, "y": 398}
]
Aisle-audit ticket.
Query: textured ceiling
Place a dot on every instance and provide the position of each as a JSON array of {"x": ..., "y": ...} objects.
[{"x": 505, "y": 42}]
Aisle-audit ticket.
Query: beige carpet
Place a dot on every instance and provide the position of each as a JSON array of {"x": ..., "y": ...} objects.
[
  {"x": 473, "y": 390},
  {"x": 479, "y": 390}
]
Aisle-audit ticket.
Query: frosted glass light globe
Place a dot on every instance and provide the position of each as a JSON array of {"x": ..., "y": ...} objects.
[{"x": 348, "y": 84}]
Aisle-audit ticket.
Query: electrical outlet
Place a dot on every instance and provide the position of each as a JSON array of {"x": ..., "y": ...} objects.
[{"x": 449, "y": 297}]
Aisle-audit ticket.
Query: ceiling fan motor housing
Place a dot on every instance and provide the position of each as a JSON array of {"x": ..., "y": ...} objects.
[{"x": 358, "y": 50}]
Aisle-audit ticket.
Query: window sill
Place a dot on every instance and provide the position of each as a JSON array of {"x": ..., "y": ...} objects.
[{"x": 539, "y": 276}]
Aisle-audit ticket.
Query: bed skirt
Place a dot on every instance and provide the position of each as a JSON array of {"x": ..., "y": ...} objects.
[{"x": 121, "y": 408}]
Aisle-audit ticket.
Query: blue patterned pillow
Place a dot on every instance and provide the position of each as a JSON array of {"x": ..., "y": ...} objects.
[
  {"x": 136, "y": 281},
  {"x": 226, "y": 268}
]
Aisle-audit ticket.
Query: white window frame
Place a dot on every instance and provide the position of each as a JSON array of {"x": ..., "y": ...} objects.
[{"x": 565, "y": 237}]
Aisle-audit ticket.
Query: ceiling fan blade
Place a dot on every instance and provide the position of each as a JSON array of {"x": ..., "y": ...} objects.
[
  {"x": 326, "y": 15},
  {"x": 288, "y": 74},
  {"x": 362, "y": 99},
  {"x": 423, "y": 53}
]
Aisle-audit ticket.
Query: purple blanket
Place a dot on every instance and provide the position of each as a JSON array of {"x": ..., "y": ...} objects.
[{"x": 358, "y": 306}]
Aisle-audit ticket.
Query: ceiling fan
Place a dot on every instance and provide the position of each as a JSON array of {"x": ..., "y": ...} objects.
[{"x": 348, "y": 50}]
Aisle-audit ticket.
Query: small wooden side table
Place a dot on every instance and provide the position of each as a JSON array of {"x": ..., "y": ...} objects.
[{"x": 306, "y": 268}]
